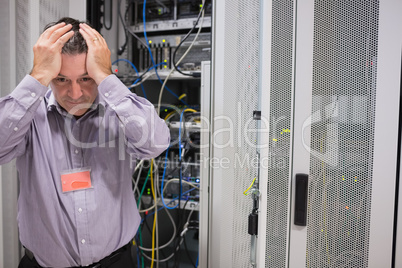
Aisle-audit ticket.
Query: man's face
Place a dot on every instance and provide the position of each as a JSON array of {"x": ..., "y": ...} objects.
[{"x": 73, "y": 89}]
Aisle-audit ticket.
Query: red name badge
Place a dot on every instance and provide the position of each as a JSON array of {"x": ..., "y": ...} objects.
[{"x": 78, "y": 180}]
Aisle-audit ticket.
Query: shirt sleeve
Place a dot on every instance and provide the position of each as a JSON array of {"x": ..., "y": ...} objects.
[
  {"x": 17, "y": 111},
  {"x": 146, "y": 134}
]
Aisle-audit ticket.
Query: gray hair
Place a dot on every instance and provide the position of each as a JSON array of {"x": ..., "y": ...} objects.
[{"x": 76, "y": 44}]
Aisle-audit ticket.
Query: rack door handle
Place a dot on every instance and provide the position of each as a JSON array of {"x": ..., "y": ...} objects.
[{"x": 301, "y": 199}]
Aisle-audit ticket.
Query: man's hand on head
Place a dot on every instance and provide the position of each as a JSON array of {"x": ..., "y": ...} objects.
[
  {"x": 47, "y": 52},
  {"x": 98, "y": 61}
]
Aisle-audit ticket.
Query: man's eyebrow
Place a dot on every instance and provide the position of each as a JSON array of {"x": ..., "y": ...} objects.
[{"x": 61, "y": 75}]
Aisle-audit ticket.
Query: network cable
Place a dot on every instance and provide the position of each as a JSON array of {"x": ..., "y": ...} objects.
[
  {"x": 184, "y": 55},
  {"x": 140, "y": 78},
  {"x": 185, "y": 38},
  {"x": 171, "y": 240},
  {"x": 155, "y": 215},
  {"x": 180, "y": 159},
  {"x": 186, "y": 227},
  {"x": 173, "y": 200},
  {"x": 174, "y": 235},
  {"x": 173, "y": 225},
  {"x": 163, "y": 187},
  {"x": 152, "y": 58},
  {"x": 122, "y": 48},
  {"x": 135, "y": 69},
  {"x": 163, "y": 179},
  {"x": 126, "y": 29},
  {"x": 135, "y": 182}
]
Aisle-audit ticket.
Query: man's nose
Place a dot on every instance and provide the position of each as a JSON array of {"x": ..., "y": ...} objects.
[{"x": 75, "y": 91}]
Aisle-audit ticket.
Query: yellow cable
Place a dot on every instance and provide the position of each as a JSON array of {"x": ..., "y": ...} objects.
[
  {"x": 251, "y": 185},
  {"x": 155, "y": 215},
  {"x": 190, "y": 110},
  {"x": 172, "y": 112},
  {"x": 169, "y": 114},
  {"x": 194, "y": 111}
]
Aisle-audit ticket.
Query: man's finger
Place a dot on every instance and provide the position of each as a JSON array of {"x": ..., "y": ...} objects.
[
  {"x": 59, "y": 32},
  {"x": 91, "y": 35},
  {"x": 50, "y": 30},
  {"x": 63, "y": 39},
  {"x": 88, "y": 38},
  {"x": 88, "y": 29}
]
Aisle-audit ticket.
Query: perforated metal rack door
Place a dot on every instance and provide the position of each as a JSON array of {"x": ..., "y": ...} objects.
[
  {"x": 23, "y": 45},
  {"x": 30, "y": 20},
  {"x": 52, "y": 10},
  {"x": 342, "y": 133},
  {"x": 236, "y": 69},
  {"x": 281, "y": 95}
]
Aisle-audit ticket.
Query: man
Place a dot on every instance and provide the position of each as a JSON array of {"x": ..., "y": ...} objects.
[{"x": 75, "y": 146}]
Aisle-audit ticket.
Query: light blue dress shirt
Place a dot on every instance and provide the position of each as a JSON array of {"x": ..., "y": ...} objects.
[{"x": 79, "y": 227}]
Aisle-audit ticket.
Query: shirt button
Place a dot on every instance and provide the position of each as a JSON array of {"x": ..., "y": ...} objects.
[
  {"x": 33, "y": 94},
  {"x": 41, "y": 98},
  {"x": 76, "y": 151},
  {"x": 15, "y": 129},
  {"x": 83, "y": 241},
  {"x": 106, "y": 94},
  {"x": 80, "y": 210}
]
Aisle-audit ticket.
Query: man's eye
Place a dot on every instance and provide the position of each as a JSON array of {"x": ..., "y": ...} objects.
[
  {"x": 86, "y": 79},
  {"x": 61, "y": 79}
]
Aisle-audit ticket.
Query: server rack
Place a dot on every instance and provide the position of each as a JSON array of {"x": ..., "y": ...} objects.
[{"x": 329, "y": 84}]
